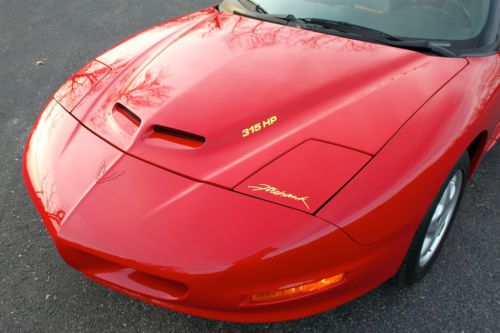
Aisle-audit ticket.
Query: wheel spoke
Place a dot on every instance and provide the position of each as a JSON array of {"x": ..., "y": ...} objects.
[
  {"x": 438, "y": 213},
  {"x": 426, "y": 245},
  {"x": 446, "y": 195},
  {"x": 452, "y": 192},
  {"x": 440, "y": 228},
  {"x": 441, "y": 218}
]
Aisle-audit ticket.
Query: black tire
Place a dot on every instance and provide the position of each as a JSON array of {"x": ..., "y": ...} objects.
[{"x": 411, "y": 270}]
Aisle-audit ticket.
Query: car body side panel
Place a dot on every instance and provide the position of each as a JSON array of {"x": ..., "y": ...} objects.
[
  {"x": 494, "y": 139},
  {"x": 397, "y": 187}
]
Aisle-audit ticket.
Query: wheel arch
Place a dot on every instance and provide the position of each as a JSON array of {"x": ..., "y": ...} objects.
[{"x": 475, "y": 150}]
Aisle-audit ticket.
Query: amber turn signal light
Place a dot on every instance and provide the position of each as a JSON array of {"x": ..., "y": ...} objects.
[{"x": 302, "y": 290}]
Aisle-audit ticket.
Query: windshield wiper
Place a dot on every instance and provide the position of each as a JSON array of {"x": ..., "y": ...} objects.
[
  {"x": 258, "y": 8},
  {"x": 422, "y": 45},
  {"x": 254, "y": 5},
  {"x": 380, "y": 36},
  {"x": 289, "y": 19},
  {"x": 345, "y": 29}
]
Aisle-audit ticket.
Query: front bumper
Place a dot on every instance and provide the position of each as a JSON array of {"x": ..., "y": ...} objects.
[{"x": 184, "y": 245}]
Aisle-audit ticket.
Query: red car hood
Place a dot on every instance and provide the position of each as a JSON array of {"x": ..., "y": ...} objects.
[{"x": 181, "y": 95}]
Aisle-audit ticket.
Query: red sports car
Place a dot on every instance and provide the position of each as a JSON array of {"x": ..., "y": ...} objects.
[{"x": 268, "y": 161}]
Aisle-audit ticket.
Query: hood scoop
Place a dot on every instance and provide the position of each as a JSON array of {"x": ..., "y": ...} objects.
[
  {"x": 124, "y": 121},
  {"x": 177, "y": 136},
  {"x": 128, "y": 123}
]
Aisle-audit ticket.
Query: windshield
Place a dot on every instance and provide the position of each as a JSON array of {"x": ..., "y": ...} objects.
[{"x": 460, "y": 24}]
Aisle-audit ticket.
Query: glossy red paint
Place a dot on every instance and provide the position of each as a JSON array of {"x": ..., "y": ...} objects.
[
  {"x": 174, "y": 223},
  {"x": 75, "y": 89}
]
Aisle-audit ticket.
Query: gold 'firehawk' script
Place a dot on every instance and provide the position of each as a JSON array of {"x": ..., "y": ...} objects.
[{"x": 275, "y": 191}]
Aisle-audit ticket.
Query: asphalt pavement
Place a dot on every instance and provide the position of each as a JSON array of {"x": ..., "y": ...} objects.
[{"x": 41, "y": 44}]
